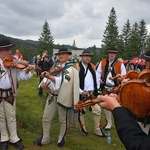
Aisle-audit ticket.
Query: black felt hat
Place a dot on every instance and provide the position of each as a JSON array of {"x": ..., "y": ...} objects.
[
  {"x": 112, "y": 50},
  {"x": 86, "y": 53},
  {"x": 63, "y": 51},
  {"x": 4, "y": 44}
]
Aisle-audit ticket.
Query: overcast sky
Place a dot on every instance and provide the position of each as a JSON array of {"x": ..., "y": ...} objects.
[{"x": 81, "y": 20}]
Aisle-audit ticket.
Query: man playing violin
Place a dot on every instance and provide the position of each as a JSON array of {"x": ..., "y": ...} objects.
[
  {"x": 146, "y": 128},
  {"x": 8, "y": 90},
  {"x": 63, "y": 94},
  {"x": 89, "y": 84},
  {"x": 107, "y": 68}
]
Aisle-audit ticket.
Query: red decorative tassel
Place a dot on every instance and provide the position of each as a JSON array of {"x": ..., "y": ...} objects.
[
  {"x": 66, "y": 132},
  {"x": 81, "y": 125},
  {"x": 63, "y": 71},
  {"x": 100, "y": 124}
]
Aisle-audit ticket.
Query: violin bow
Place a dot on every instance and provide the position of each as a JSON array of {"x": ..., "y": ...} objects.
[{"x": 141, "y": 51}]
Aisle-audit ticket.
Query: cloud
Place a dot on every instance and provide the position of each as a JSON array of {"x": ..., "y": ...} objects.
[{"x": 82, "y": 20}]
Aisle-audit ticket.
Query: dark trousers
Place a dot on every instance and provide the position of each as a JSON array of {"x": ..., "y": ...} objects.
[{"x": 40, "y": 92}]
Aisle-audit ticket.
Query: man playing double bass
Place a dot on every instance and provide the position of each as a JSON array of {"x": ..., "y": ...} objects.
[
  {"x": 145, "y": 122},
  {"x": 146, "y": 56}
]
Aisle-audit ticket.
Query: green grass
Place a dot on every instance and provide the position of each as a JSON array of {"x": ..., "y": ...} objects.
[{"x": 29, "y": 119}]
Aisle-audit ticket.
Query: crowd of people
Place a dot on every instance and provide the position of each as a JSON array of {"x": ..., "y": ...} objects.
[{"x": 82, "y": 79}]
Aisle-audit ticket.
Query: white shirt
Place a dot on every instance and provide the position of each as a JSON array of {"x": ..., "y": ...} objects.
[
  {"x": 5, "y": 79},
  {"x": 108, "y": 81},
  {"x": 54, "y": 86},
  {"x": 88, "y": 81}
]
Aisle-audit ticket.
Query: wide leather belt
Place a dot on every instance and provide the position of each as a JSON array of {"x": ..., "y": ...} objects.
[
  {"x": 53, "y": 94},
  {"x": 91, "y": 92},
  {"x": 5, "y": 92}
]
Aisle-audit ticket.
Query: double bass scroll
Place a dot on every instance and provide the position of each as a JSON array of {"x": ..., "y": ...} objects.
[{"x": 144, "y": 74}]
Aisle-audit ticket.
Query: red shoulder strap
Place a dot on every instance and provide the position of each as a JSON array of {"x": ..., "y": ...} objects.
[
  {"x": 103, "y": 64},
  {"x": 117, "y": 67}
]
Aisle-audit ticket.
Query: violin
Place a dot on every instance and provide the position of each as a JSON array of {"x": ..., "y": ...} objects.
[
  {"x": 12, "y": 61},
  {"x": 131, "y": 74},
  {"x": 134, "y": 95},
  {"x": 56, "y": 70}
]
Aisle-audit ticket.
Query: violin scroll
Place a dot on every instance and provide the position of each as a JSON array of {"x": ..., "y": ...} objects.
[
  {"x": 87, "y": 103},
  {"x": 144, "y": 74}
]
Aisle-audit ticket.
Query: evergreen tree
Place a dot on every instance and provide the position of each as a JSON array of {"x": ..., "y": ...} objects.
[
  {"x": 126, "y": 34},
  {"x": 111, "y": 32},
  {"x": 74, "y": 43},
  {"x": 134, "y": 42},
  {"x": 148, "y": 42},
  {"x": 143, "y": 35},
  {"x": 96, "y": 55},
  {"x": 46, "y": 40},
  {"x": 122, "y": 52},
  {"x": 125, "y": 38}
]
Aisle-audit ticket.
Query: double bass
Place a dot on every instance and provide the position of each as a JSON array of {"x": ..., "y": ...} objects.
[{"x": 134, "y": 94}]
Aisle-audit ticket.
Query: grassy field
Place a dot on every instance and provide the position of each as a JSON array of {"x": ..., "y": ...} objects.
[{"x": 29, "y": 115}]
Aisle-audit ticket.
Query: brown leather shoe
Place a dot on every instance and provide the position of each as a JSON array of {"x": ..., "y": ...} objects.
[{"x": 4, "y": 145}]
